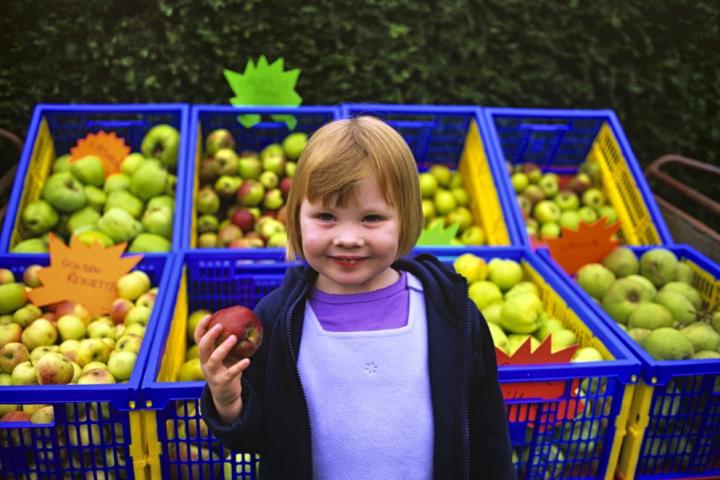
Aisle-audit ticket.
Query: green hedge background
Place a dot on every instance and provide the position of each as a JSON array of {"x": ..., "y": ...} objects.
[{"x": 657, "y": 64}]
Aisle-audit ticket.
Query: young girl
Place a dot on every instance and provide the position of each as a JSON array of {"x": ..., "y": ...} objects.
[{"x": 372, "y": 366}]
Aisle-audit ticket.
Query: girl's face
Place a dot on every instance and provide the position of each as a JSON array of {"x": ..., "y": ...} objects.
[{"x": 351, "y": 247}]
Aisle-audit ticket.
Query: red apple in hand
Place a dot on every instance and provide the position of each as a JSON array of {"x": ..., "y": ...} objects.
[{"x": 245, "y": 325}]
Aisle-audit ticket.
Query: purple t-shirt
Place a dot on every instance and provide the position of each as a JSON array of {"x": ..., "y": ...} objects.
[{"x": 381, "y": 309}]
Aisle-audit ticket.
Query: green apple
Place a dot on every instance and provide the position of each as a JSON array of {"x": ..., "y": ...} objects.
[
  {"x": 226, "y": 161},
  {"x": 39, "y": 217},
  {"x": 131, "y": 163},
  {"x": 473, "y": 235},
  {"x": 207, "y": 223},
  {"x": 505, "y": 273},
  {"x": 89, "y": 237},
  {"x": 217, "y": 140},
  {"x": 207, "y": 200},
  {"x": 26, "y": 314},
  {"x": 569, "y": 219},
  {"x": 294, "y": 144},
  {"x": 64, "y": 192},
  {"x": 92, "y": 350},
  {"x": 190, "y": 371},
  {"x": 227, "y": 186},
  {"x": 149, "y": 242},
  {"x": 12, "y": 297},
  {"x": 61, "y": 164},
  {"x": 162, "y": 142},
  {"x": 129, "y": 342},
  {"x": 12, "y": 354},
  {"x": 249, "y": 166},
  {"x": 461, "y": 216},
  {"x": 131, "y": 285},
  {"x": 119, "y": 225},
  {"x": 444, "y": 202},
  {"x": 96, "y": 376},
  {"x": 89, "y": 170},
  {"x": 117, "y": 181},
  {"x": 587, "y": 214},
  {"x": 273, "y": 159},
  {"x": 126, "y": 201},
  {"x": 39, "y": 333},
  {"x": 96, "y": 197},
  {"x": 273, "y": 199},
  {"x": 158, "y": 221},
  {"x": 546, "y": 211},
  {"x": 24, "y": 373},
  {"x": 31, "y": 245},
  {"x": 549, "y": 230},
  {"x": 595, "y": 279},
  {"x": 470, "y": 266},
  {"x": 442, "y": 174},
  {"x": 484, "y": 293},
  {"x": 428, "y": 185},
  {"x": 593, "y": 197},
  {"x": 567, "y": 200},
  {"x": 148, "y": 180},
  {"x": 607, "y": 211},
  {"x": 519, "y": 181},
  {"x": 85, "y": 217},
  {"x": 71, "y": 327},
  {"x": 121, "y": 364},
  {"x": 550, "y": 184},
  {"x": 250, "y": 193}
]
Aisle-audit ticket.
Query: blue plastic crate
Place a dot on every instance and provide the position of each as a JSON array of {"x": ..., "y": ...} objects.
[
  {"x": 206, "y": 118},
  {"x": 66, "y": 124},
  {"x": 675, "y": 429},
  {"x": 454, "y": 136},
  {"x": 217, "y": 279},
  {"x": 559, "y": 141},
  {"x": 91, "y": 421}
]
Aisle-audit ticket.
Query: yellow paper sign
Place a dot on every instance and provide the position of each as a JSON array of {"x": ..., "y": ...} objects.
[
  {"x": 588, "y": 244},
  {"x": 83, "y": 274},
  {"x": 110, "y": 148}
]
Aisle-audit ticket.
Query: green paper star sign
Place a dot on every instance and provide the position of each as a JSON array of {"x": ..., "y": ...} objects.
[
  {"x": 438, "y": 235},
  {"x": 264, "y": 84}
]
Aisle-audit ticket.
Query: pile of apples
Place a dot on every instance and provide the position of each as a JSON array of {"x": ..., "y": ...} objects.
[
  {"x": 513, "y": 308},
  {"x": 549, "y": 201},
  {"x": 654, "y": 299},
  {"x": 445, "y": 201},
  {"x": 64, "y": 344},
  {"x": 241, "y": 196},
  {"x": 135, "y": 205}
]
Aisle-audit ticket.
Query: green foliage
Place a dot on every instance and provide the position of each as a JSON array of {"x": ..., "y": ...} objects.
[{"x": 655, "y": 63}]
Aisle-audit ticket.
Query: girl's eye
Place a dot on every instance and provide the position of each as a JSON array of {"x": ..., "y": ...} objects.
[
  {"x": 372, "y": 218},
  {"x": 325, "y": 217}
]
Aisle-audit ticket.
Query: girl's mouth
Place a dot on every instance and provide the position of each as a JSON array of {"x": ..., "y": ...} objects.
[{"x": 348, "y": 262}]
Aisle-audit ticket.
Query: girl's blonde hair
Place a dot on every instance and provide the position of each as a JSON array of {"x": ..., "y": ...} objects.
[{"x": 341, "y": 154}]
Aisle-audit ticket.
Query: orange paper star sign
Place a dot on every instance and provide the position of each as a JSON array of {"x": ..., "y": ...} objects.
[
  {"x": 110, "y": 148},
  {"x": 589, "y": 243},
  {"x": 82, "y": 274}
]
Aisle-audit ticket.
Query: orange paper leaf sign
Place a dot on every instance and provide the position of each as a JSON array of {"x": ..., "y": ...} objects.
[
  {"x": 525, "y": 355},
  {"x": 545, "y": 390},
  {"x": 82, "y": 274},
  {"x": 110, "y": 148},
  {"x": 590, "y": 243}
]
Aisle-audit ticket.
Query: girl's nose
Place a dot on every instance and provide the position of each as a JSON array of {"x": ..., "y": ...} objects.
[{"x": 348, "y": 238}]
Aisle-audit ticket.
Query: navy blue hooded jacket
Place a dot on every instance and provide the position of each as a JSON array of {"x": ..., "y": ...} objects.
[{"x": 471, "y": 433}]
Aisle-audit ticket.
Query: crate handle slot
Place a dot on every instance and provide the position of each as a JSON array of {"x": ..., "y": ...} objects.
[
  {"x": 545, "y": 128},
  {"x": 116, "y": 123}
]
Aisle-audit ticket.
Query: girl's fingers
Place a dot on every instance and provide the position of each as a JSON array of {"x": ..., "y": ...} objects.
[
  {"x": 238, "y": 368},
  {"x": 201, "y": 328},
  {"x": 206, "y": 343},
  {"x": 222, "y": 350}
]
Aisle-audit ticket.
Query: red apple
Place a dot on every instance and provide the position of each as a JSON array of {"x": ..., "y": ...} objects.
[
  {"x": 119, "y": 309},
  {"x": 30, "y": 276},
  {"x": 72, "y": 308},
  {"x": 285, "y": 184},
  {"x": 245, "y": 325},
  {"x": 243, "y": 219},
  {"x": 16, "y": 416}
]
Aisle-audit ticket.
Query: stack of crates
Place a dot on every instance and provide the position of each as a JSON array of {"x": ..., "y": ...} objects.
[
  {"x": 559, "y": 141},
  {"x": 55, "y": 129},
  {"x": 674, "y": 424},
  {"x": 575, "y": 430},
  {"x": 97, "y": 430}
]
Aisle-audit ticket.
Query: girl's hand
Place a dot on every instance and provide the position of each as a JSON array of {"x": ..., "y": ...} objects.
[{"x": 223, "y": 377}]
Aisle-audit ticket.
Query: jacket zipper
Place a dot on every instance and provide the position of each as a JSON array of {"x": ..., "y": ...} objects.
[
  {"x": 288, "y": 332},
  {"x": 466, "y": 393}
]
